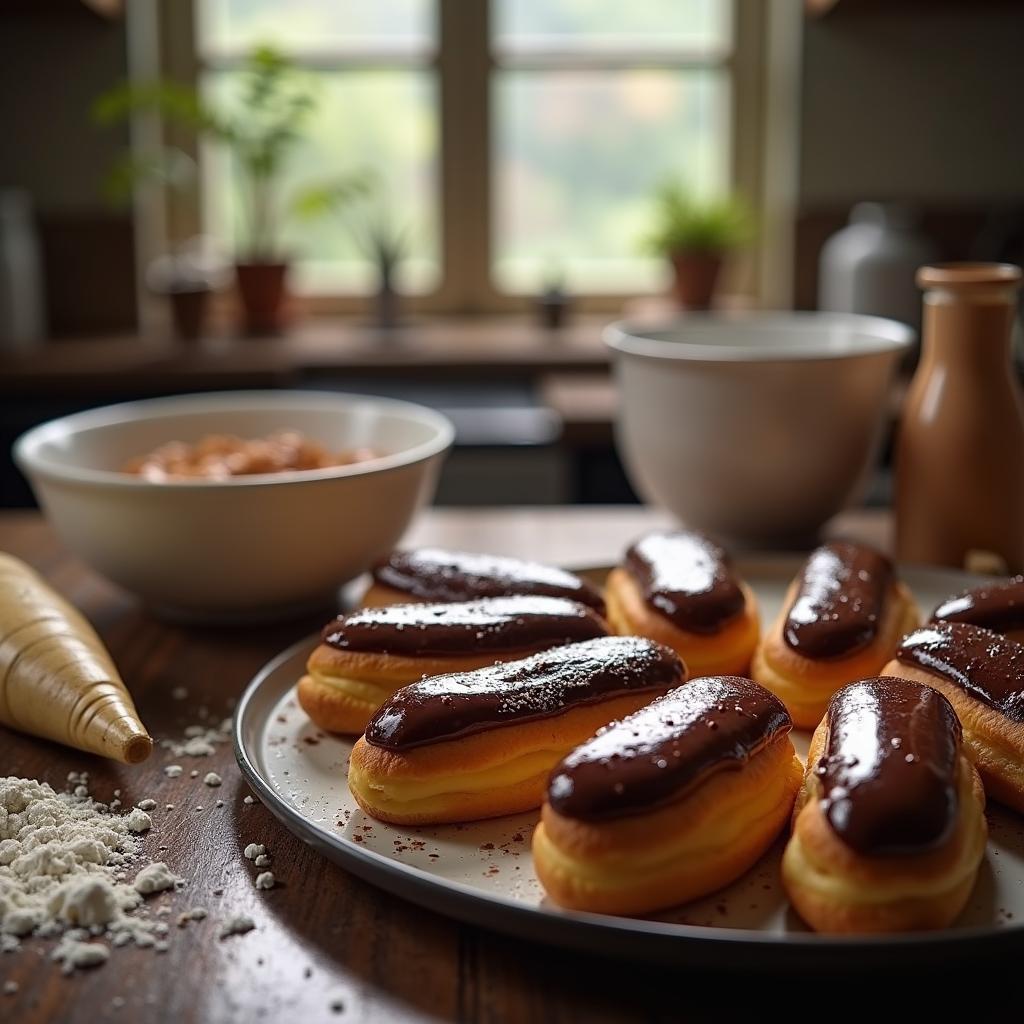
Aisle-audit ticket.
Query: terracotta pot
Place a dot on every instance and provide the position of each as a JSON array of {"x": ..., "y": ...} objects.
[
  {"x": 695, "y": 277},
  {"x": 261, "y": 287},
  {"x": 188, "y": 312}
]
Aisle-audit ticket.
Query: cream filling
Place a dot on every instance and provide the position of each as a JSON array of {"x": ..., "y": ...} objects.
[
  {"x": 425, "y": 794},
  {"x": 725, "y": 829},
  {"x": 798, "y": 868},
  {"x": 370, "y": 694}
]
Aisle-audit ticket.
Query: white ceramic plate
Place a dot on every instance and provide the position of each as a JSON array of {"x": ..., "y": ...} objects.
[{"x": 482, "y": 872}]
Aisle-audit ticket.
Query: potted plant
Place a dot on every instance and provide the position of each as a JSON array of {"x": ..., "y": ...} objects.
[
  {"x": 696, "y": 235},
  {"x": 259, "y": 131},
  {"x": 377, "y": 236}
]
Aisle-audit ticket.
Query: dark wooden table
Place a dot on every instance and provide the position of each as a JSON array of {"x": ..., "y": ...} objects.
[{"x": 326, "y": 946}]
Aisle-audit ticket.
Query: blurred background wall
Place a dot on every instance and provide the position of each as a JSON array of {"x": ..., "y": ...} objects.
[
  {"x": 55, "y": 58},
  {"x": 909, "y": 101}
]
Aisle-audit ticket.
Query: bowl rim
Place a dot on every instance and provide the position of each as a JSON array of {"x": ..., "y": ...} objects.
[
  {"x": 632, "y": 337},
  {"x": 27, "y": 454}
]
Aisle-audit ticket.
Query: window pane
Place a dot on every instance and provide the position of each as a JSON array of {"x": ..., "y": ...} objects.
[
  {"x": 317, "y": 25},
  {"x": 576, "y": 156},
  {"x": 528, "y": 26},
  {"x": 383, "y": 122}
]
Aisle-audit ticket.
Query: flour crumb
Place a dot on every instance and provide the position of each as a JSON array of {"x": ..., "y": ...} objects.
[
  {"x": 212, "y": 779},
  {"x": 219, "y": 803},
  {"x": 179, "y": 693},
  {"x": 194, "y": 774},
  {"x": 117, "y": 1002},
  {"x": 155, "y": 877},
  {"x": 138, "y": 821},
  {"x": 172, "y": 771},
  {"x": 146, "y": 805},
  {"x": 10, "y": 988},
  {"x": 195, "y": 914},
  {"x": 254, "y": 850},
  {"x": 199, "y": 746},
  {"x": 262, "y": 861},
  {"x": 237, "y": 924},
  {"x": 73, "y": 953},
  {"x": 265, "y": 880},
  {"x": 249, "y": 800},
  {"x": 86, "y": 900}
]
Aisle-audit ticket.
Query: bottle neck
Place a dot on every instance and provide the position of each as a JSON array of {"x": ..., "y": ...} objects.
[{"x": 971, "y": 330}]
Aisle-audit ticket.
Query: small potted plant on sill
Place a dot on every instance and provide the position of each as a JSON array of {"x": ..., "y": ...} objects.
[
  {"x": 186, "y": 277},
  {"x": 696, "y": 235},
  {"x": 260, "y": 132}
]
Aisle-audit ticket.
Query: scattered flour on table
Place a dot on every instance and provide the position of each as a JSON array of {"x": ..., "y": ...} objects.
[
  {"x": 254, "y": 850},
  {"x": 199, "y": 740},
  {"x": 265, "y": 880},
  {"x": 155, "y": 878},
  {"x": 64, "y": 862},
  {"x": 237, "y": 924}
]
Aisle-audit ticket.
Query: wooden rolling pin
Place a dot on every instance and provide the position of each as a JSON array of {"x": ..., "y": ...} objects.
[{"x": 56, "y": 678}]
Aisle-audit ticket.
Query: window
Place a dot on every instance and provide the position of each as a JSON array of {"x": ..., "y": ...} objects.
[
  {"x": 516, "y": 140},
  {"x": 373, "y": 63},
  {"x": 593, "y": 102}
]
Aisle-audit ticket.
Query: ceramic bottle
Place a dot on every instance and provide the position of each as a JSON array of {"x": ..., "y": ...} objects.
[
  {"x": 869, "y": 265},
  {"x": 960, "y": 452}
]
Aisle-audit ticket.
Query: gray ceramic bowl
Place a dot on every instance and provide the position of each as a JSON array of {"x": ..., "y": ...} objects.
[
  {"x": 755, "y": 427},
  {"x": 253, "y": 546}
]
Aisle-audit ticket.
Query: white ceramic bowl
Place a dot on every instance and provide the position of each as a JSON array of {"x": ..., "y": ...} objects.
[
  {"x": 262, "y": 545},
  {"x": 755, "y": 427}
]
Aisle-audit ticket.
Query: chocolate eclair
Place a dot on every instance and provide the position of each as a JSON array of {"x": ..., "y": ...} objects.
[
  {"x": 671, "y": 803},
  {"x": 981, "y": 673},
  {"x": 681, "y": 589},
  {"x": 480, "y": 744},
  {"x": 998, "y": 606},
  {"x": 431, "y": 574},
  {"x": 889, "y": 829},
  {"x": 366, "y": 656},
  {"x": 841, "y": 620}
]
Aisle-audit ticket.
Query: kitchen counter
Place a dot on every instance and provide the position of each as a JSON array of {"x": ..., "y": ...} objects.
[
  {"x": 424, "y": 348},
  {"x": 326, "y": 946}
]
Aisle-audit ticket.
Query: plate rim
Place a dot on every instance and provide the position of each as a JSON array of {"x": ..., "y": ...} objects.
[{"x": 582, "y": 930}]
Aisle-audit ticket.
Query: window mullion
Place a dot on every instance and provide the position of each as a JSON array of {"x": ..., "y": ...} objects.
[{"x": 464, "y": 89}]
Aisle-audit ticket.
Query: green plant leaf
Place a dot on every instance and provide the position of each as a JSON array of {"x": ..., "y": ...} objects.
[
  {"x": 683, "y": 222},
  {"x": 310, "y": 202},
  {"x": 170, "y": 167}
]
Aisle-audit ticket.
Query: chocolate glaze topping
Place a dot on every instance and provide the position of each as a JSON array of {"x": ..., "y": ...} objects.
[
  {"x": 687, "y": 578},
  {"x": 458, "y": 704},
  {"x": 839, "y": 601},
  {"x": 888, "y": 771},
  {"x": 431, "y": 574},
  {"x": 498, "y": 624},
  {"x": 984, "y": 664},
  {"x": 662, "y": 752},
  {"x": 996, "y": 606}
]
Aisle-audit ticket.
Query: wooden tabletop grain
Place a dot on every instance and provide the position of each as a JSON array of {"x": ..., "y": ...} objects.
[{"x": 326, "y": 946}]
